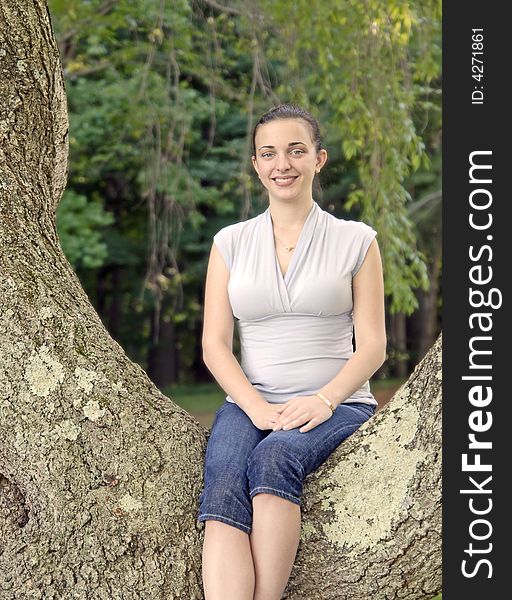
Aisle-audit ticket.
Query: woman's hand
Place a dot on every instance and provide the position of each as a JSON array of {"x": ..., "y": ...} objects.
[
  {"x": 311, "y": 410},
  {"x": 264, "y": 415}
]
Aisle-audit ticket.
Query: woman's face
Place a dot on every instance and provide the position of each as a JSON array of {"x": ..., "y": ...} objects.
[{"x": 286, "y": 159}]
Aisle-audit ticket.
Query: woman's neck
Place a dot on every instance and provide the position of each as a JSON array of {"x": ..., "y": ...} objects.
[{"x": 289, "y": 215}]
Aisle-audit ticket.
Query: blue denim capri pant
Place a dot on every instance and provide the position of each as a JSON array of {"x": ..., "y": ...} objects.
[{"x": 242, "y": 460}]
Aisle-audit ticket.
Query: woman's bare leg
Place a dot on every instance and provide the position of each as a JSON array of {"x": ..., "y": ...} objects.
[
  {"x": 228, "y": 570},
  {"x": 274, "y": 540}
]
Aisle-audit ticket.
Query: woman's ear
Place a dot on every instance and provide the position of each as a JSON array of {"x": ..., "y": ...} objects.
[
  {"x": 254, "y": 164},
  {"x": 321, "y": 159}
]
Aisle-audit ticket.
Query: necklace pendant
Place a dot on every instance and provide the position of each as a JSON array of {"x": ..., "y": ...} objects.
[{"x": 288, "y": 248}]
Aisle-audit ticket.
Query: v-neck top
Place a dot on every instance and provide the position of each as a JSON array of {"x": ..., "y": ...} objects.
[{"x": 295, "y": 330}]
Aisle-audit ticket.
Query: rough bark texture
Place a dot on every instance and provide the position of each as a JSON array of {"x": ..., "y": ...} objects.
[
  {"x": 372, "y": 523},
  {"x": 100, "y": 474}
]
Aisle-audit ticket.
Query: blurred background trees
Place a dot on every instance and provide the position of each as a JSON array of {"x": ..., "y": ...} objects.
[{"x": 162, "y": 98}]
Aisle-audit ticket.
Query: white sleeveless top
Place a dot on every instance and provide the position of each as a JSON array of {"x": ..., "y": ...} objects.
[{"x": 295, "y": 331}]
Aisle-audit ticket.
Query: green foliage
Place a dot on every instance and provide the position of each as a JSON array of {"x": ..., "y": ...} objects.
[
  {"x": 368, "y": 67},
  {"x": 80, "y": 224},
  {"x": 162, "y": 98}
]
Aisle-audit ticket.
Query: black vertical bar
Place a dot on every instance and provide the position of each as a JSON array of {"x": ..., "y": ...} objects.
[{"x": 475, "y": 120}]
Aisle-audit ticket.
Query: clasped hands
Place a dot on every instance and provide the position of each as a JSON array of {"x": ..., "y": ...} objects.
[{"x": 305, "y": 412}]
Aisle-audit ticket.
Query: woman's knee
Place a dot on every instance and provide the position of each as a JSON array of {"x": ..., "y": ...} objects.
[
  {"x": 225, "y": 486},
  {"x": 273, "y": 469},
  {"x": 225, "y": 497}
]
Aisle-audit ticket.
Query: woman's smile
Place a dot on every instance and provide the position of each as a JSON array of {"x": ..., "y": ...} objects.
[{"x": 285, "y": 180}]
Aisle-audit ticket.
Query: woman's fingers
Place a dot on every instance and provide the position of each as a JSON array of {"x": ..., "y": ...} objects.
[
  {"x": 287, "y": 410},
  {"x": 294, "y": 421},
  {"x": 297, "y": 412},
  {"x": 288, "y": 414},
  {"x": 313, "y": 423}
]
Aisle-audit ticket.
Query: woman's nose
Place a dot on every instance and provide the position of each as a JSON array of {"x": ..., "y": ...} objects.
[{"x": 283, "y": 164}]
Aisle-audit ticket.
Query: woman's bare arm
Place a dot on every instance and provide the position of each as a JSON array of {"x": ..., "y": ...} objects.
[
  {"x": 369, "y": 328},
  {"x": 218, "y": 337}
]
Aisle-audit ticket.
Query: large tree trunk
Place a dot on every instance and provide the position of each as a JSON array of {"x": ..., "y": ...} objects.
[{"x": 100, "y": 474}]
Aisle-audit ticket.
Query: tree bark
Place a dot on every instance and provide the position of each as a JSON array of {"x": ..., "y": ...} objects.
[
  {"x": 372, "y": 511},
  {"x": 101, "y": 473}
]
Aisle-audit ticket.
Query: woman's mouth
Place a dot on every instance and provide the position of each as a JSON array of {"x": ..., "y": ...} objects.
[{"x": 285, "y": 181}]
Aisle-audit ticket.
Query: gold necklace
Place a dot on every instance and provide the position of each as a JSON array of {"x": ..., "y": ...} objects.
[{"x": 286, "y": 248}]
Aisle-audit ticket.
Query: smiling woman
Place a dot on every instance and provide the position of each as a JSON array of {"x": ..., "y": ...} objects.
[
  {"x": 297, "y": 280},
  {"x": 284, "y": 163}
]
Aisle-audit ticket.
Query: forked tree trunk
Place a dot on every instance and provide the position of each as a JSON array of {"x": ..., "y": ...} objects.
[{"x": 100, "y": 474}]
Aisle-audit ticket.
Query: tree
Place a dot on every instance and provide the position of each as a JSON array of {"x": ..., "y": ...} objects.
[{"x": 100, "y": 473}]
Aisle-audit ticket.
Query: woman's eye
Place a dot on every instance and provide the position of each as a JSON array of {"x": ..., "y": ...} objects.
[{"x": 296, "y": 151}]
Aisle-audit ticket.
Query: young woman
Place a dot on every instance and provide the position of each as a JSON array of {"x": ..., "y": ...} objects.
[{"x": 297, "y": 280}]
